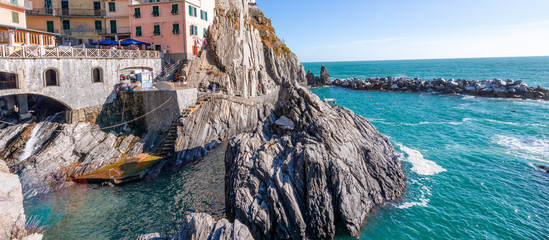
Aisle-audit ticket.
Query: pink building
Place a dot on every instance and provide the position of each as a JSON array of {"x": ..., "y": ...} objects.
[{"x": 175, "y": 27}]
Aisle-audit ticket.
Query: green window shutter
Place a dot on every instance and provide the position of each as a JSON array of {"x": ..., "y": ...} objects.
[
  {"x": 190, "y": 10},
  {"x": 201, "y": 14},
  {"x": 192, "y": 30},
  {"x": 156, "y": 30},
  {"x": 112, "y": 7},
  {"x": 155, "y": 12},
  {"x": 175, "y": 9},
  {"x": 205, "y": 32},
  {"x": 138, "y": 31},
  {"x": 50, "y": 26},
  {"x": 194, "y": 10},
  {"x": 137, "y": 13},
  {"x": 205, "y": 15},
  {"x": 98, "y": 25},
  {"x": 15, "y": 17},
  {"x": 196, "y": 30},
  {"x": 175, "y": 29},
  {"x": 66, "y": 24}
]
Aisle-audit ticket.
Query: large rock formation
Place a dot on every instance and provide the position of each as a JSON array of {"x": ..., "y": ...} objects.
[
  {"x": 294, "y": 183},
  {"x": 12, "y": 216}
]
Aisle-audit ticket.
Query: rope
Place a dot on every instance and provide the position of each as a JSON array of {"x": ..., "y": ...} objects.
[
  {"x": 120, "y": 124},
  {"x": 135, "y": 119}
]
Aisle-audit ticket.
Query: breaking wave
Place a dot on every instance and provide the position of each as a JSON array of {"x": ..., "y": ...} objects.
[{"x": 528, "y": 148}]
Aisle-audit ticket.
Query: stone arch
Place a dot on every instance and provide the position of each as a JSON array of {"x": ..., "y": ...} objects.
[
  {"x": 51, "y": 77},
  {"x": 97, "y": 74},
  {"x": 39, "y": 94}
]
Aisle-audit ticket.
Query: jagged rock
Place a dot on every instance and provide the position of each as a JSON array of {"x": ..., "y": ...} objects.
[
  {"x": 285, "y": 123},
  {"x": 200, "y": 226},
  {"x": 334, "y": 167},
  {"x": 325, "y": 76},
  {"x": 12, "y": 215}
]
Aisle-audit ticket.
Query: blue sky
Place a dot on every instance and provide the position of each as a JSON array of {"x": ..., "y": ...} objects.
[{"x": 354, "y": 30}]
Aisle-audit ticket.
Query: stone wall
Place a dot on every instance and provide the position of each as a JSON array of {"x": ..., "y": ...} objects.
[{"x": 76, "y": 89}]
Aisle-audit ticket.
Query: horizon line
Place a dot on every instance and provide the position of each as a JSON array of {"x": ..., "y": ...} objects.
[{"x": 412, "y": 59}]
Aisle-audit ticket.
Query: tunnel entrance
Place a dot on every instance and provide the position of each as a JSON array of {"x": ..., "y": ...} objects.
[{"x": 29, "y": 106}]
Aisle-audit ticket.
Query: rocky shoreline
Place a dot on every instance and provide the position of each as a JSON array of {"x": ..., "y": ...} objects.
[{"x": 496, "y": 88}]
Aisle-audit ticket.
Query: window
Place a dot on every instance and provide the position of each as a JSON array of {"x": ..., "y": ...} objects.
[
  {"x": 112, "y": 7},
  {"x": 194, "y": 30},
  {"x": 66, "y": 24},
  {"x": 14, "y": 17},
  {"x": 98, "y": 25},
  {"x": 156, "y": 30},
  {"x": 205, "y": 32},
  {"x": 97, "y": 75},
  {"x": 50, "y": 26},
  {"x": 203, "y": 15},
  {"x": 137, "y": 13},
  {"x": 51, "y": 77},
  {"x": 192, "y": 11},
  {"x": 175, "y": 9},
  {"x": 155, "y": 12},
  {"x": 175, "y": 29},
  {"x": 8, "y": 80},
  {"x": 113, "y": 27},
  {"x": 138, "y": 31}
]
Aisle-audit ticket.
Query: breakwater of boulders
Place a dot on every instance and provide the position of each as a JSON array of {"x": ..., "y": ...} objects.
[{"x": 488, "y": 88}]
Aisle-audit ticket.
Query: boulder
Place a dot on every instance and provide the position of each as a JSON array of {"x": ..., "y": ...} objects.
[{"x": 198, "y": 226}]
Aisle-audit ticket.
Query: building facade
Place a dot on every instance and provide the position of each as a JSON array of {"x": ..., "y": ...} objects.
[
  {"x": 178, "y": 28},
  {"x": 76, "y": 21},
  {"x": 117, "y": 21},
  {"x": 13, "y": 26}
]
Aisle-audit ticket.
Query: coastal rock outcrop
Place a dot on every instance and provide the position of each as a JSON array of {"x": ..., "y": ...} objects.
[
  {"x": 487, "y": 88},
  {"x": 312, "y": 80},
  {"x": 13, "y": 221},
  {"x": 325, "y": 76},
  {"x": 332, "y": 167},
  {"x": 199, "y": 226}
]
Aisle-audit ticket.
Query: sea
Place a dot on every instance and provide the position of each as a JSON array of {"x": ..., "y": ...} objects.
[{"x": 471, "y": 164}]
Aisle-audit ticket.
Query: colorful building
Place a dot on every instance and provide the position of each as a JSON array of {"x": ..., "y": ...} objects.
[
  {"x": 13, "y": 25},
  {"x": 176, "y": 27},
  {"x": 117, "y": 22},
  {"x": 76, "y": 21}
]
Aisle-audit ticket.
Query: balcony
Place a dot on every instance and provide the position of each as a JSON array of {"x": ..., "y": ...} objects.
[
  {"x": 118, "y": 30},
  {"x": 66, "y": 12},
  {"x": 25, "y": 4},
  {"x": 140, "y": 2}
]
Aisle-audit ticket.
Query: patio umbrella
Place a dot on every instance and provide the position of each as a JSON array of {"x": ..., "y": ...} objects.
[
  {"x": 107, "y": 42},
  {"x": 133, "y": 42}
]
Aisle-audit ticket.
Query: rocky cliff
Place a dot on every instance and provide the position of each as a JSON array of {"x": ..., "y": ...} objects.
[{"x": 308, "y": 168}]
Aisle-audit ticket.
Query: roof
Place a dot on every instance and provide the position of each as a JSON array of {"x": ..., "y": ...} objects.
[{"x": 26, "y": 29}]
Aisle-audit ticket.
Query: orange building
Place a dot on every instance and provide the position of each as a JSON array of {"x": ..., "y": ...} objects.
[{"x": 13, "y": 25}]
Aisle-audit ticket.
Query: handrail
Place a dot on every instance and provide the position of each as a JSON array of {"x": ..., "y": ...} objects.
[{"x": 70, "y": 52}]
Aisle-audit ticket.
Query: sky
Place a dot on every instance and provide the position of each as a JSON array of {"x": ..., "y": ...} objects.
[{"x": 355, "y": 30}]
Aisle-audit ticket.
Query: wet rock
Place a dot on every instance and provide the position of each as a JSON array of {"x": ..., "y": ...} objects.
[
  {"x": 198, "y": 226},
  {"x": 332, "y": 168},
  {"x": 546, "y": 168}
]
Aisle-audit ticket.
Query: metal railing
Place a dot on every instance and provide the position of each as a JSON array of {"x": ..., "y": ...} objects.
[
  {"x": 118, "y": 30},
  {"x": 18, "y": 3},
  {"x": 70, "y": 52},
  {"x": 65, "y": 11}
]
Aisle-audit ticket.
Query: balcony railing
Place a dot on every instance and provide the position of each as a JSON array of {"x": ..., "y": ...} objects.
[
  {"x": 66, "y": 12},
  {"x": 70, "y": 52},
  {"x": 118, "y": 30},
  {"x": 18, "y": 3}
]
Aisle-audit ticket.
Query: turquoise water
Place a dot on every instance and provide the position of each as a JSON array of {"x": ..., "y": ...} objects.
[
  {"x": 470, "y": 164},
  {"x": 533, "y": 70},
  {"x": 469, "y": 161}
]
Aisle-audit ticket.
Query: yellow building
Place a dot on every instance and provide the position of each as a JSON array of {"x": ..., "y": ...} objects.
[
  {"x": 76, "y": 21},
  {"x": 13, "y": 26},
  {"x": 117, "y": 21}
]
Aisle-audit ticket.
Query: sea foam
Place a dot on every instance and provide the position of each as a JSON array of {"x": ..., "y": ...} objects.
[
  {"x": 420, "y": 165},
  {"x": 529, "y": 148}
]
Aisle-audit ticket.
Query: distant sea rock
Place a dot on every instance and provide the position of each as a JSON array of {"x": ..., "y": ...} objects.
[{"x": 324, "y": 76}]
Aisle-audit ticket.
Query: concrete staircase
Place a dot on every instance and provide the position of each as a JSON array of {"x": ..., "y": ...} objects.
[{"x": 168, "y": 146}]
